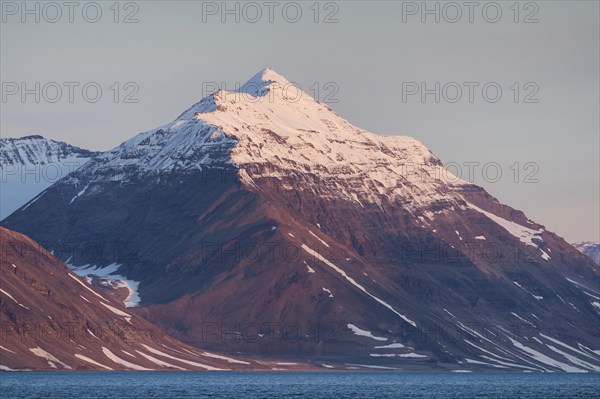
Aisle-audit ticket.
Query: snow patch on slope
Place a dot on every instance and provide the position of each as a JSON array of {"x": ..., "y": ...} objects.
[
  {"x": 524, "y": 234},
  {"x": 115, "y": 280},
  {"x": 364, "y": 333},
  {"x": 221, "y": 357},
  {"x": 51, "y": 359},
  {"x": 87, "y": 288},
  {"x": 11, "y": 297},
  {"x": 122, "y": 362},
  {"x": 118, "y": 312},
  {"x": 196, "y": 364},
  {"x": 91, "y": 361},
  {"x": 538, "y": 297}
]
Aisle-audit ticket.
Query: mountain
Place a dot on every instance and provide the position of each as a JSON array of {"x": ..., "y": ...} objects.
[
  {"x": 54, "y": 320},
  {"x": 29, "y": 165},
  {"x": 259, "y": 221},
  {"x": 589, "y": 248}
]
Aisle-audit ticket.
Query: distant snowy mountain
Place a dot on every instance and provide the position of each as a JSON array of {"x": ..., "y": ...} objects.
[
  {"x": 589, "y": 248},
  {"x": 29, "y": 165},
  {"x": 260, "y": 221}
]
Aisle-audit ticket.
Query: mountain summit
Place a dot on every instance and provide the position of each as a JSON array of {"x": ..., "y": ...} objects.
[
  {"x": 259, "y": 84},
  {"x": 270, "y": 125},
  {"x": 260, "y": 221}
]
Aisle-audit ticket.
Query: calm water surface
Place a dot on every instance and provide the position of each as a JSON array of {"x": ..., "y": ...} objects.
[{"x": 139, "y": 385}]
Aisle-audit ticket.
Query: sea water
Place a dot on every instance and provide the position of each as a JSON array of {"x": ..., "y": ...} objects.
[{"x": 336, "y": 385}]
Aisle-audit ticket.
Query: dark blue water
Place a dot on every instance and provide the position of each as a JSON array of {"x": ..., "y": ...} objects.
[{"x": 125, "y": 385}]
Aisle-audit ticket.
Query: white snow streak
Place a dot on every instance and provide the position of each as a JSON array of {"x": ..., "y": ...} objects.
[
  {"x": 87, "y": 288},
  {"x": 122, "y": 362},
  {"x": 159, "y": 362},
  {"x": 49, "y": 358},
  {"x": 229, "y": 359},
  {"x": 11, "y": 297},
  {"x": 118, "y": 312},
  {"x": 364, "y": 333},
  {"x": 353, "y": 282},
  {"x": 157, "y": 352},
  {"x": 91, "y": 361}
]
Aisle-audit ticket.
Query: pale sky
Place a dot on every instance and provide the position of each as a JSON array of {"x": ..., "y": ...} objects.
[{"x": 367, "y": 62}]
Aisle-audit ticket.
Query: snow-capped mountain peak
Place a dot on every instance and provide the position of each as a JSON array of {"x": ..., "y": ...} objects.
[
  {"x": 259, "y": 84},
  {"x": 269, "y": 127}
]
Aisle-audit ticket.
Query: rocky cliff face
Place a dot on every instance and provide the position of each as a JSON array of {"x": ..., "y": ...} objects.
[{"x": 260, "y": 221}]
